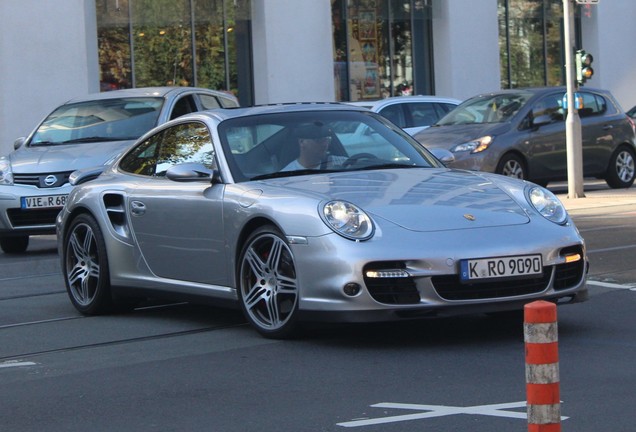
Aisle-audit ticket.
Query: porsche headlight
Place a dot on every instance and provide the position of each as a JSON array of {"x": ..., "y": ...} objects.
[
  {"x": 474, "y": 146},
  {"x": 348, "y": 220},
  {"x": 6, "y": 174},
  {"x": 546, "y": 203}
]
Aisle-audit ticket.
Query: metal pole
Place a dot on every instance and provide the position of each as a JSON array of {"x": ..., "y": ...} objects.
[{"x": 573, "y": 135}]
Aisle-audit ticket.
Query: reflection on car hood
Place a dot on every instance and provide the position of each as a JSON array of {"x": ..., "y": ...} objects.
[
  {"x": 419, "y": 199},
  {"x": 450, "y": 135},
  {"x": 59, "y": 158}
]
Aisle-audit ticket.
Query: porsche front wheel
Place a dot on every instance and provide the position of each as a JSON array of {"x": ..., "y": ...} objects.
[
  {"x": 268, "y": 289},
  {"x": 85, "y": 267}
]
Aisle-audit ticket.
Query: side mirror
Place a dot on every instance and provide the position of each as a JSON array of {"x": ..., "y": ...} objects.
[
  {"x": 541, "y": 120},
  {"x": 19, "y": 143},
  {"x": 192, "y": 172},
  {"x": 444, "y": 156}
]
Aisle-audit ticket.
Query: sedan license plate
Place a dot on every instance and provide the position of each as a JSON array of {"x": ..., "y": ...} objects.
[
  {"x": 43, "y": 202},
  {"x": 500, "y": 267}
]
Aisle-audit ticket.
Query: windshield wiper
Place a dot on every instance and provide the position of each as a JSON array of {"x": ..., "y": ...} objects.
[
  {"x": 390, "y": 166},
  {"x": 95, "y": 139},
  {"x": 292, "y": 173}
]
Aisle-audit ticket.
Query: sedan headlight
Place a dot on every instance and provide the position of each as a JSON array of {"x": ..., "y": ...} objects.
[
  {"x": 6, "y": 174},
  {"x": 348, "y": 220},
  {"x": 474, "y": 146},
  {"x": 546, "y": 203}
]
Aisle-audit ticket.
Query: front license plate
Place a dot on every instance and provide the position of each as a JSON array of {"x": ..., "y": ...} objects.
[
  {"x": 42, "y": 202},
  {"x": 500, "y": 267}
]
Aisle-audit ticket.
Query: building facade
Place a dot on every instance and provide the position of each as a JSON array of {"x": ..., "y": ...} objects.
[{"x": 275, "y": 51}]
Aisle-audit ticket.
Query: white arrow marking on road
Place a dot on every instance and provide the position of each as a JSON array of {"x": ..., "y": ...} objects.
[
  {"x": 630, "y": 287},
  {"x": 496, "y": 410},
  {"x": 14, "y": 363}
]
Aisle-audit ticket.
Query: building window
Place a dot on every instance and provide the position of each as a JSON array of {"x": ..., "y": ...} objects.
[
  {"x": 381, "y": 48},
  {"x": 531, "y": 43},
  {"x": 201, "y": 43}
]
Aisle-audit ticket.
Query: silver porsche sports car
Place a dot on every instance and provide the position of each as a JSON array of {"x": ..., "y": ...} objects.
[{"x": 276, "y": 209}]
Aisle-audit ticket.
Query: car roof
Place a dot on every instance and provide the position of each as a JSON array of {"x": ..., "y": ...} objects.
[
  {"x": 380, "y": 103},
  {"x": 221, "y": 114},
  {"x": 148, "y": 92}
]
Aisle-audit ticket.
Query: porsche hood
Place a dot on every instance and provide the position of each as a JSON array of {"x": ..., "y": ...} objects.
[{"x": 419, "y": 199}]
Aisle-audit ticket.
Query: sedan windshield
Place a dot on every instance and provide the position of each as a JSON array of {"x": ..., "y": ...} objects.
[
  {"x": 497, "y": 108},
  {"x": 100, "y": 120},
  {"x": 278, "y": 145}
]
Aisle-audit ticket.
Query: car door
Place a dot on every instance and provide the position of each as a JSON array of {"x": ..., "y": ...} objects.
[
  {"x": 544, "y": 145},
  {"x": 177, "y": 226},
  {"x": 598, "y": 133}
]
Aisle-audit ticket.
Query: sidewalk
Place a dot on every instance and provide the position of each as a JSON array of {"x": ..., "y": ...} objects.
[{"x": 596, "y": 198}]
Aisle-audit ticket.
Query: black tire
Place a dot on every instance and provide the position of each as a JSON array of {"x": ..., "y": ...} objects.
[
  {"x": 621, "y": 171},
  {"x": 512, "y": 165},
  {"x": 14, "y": 245},
  {"x": 85, "y": 267},
  {"x": 267, "y": 284}
]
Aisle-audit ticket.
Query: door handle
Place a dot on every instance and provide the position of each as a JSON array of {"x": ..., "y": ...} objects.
[
  {"x": 608, "y": 127},
  {"x": 137, "y": 208}
]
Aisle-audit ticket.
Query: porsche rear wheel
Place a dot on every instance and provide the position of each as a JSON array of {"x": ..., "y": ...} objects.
[
  {"x": 85, "y": 267},
  {"x": 268, "y": 289}
]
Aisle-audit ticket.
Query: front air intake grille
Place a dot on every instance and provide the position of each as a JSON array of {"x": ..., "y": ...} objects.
[
  {"x": 390, "y": 290},
  {"x": 22, "y": 218},
  {"x": 450, "y": 288},
  {"x": 569, "y": 275},
  {"x": 42, "y": 180}
]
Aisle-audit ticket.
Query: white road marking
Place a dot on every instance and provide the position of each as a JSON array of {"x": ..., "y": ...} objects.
[
  {"x": 15, "y": 363},
  {"x": 630, "y": 287},
  {"x": 495, "y": 410}
]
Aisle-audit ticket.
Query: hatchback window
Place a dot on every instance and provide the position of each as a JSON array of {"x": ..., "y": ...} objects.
[{"x": 592, "y": 105}]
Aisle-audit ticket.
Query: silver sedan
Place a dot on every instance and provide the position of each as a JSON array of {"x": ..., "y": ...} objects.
[{"x": 277, "y": 210}]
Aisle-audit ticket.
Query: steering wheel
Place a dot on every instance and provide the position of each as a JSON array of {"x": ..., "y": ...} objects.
[{"x": 353, "y": 160}]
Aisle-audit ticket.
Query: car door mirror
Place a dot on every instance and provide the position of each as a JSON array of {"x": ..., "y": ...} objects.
[
  {"x": 541, "y": 120},
  {"x": 192, "y": 172},
  {"x": 19, "y": 143},
  {"x": 444, "y": 156}
]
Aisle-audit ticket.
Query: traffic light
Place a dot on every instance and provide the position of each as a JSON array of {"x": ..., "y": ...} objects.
[{"x": 584, "y": 69}]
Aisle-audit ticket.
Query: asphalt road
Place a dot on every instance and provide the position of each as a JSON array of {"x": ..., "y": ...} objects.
[{"x": 181, "y": 367}]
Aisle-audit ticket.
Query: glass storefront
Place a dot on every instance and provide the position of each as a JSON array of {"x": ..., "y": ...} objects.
[
  {"x": 381, "y": 48},
  {"x": 531, "y": 43},
  {"x": 202, "y": 43}
]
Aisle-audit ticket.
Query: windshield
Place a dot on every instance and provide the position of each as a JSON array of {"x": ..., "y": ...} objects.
[
  {"x": 100, "y": 120},
  {"x": 496, "y": 108},
  {"x": 278, "y": 145}
]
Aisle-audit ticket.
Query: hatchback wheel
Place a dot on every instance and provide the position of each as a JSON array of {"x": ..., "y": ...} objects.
[
  {"x": 85, "y": 267},
  {"x": 512, "y": 165},
  {"x": 621, "y": 169},
  {"x": 268, "y": 289},
  {"x": 14, "y": 244}
]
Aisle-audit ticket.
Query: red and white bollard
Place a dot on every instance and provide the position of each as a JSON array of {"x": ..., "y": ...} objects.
[{"x": 542, "y": 367}]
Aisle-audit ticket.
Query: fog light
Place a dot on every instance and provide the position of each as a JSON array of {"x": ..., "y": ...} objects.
[{"x": 351, "y": 289}]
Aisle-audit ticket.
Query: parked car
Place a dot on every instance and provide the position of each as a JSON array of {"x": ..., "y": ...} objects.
[
  {"x": 411, "y": 113},
  {"x": 266, "y": 208},
  {"x": 81, "y": 133},
  {"x": 521, "y": 133}
]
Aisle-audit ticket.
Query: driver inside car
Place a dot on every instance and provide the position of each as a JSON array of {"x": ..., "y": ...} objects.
[{"x": 313, "y": 145}]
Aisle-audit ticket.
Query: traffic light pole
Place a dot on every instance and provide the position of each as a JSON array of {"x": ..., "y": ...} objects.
[{"x": 573, "y": 133}]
